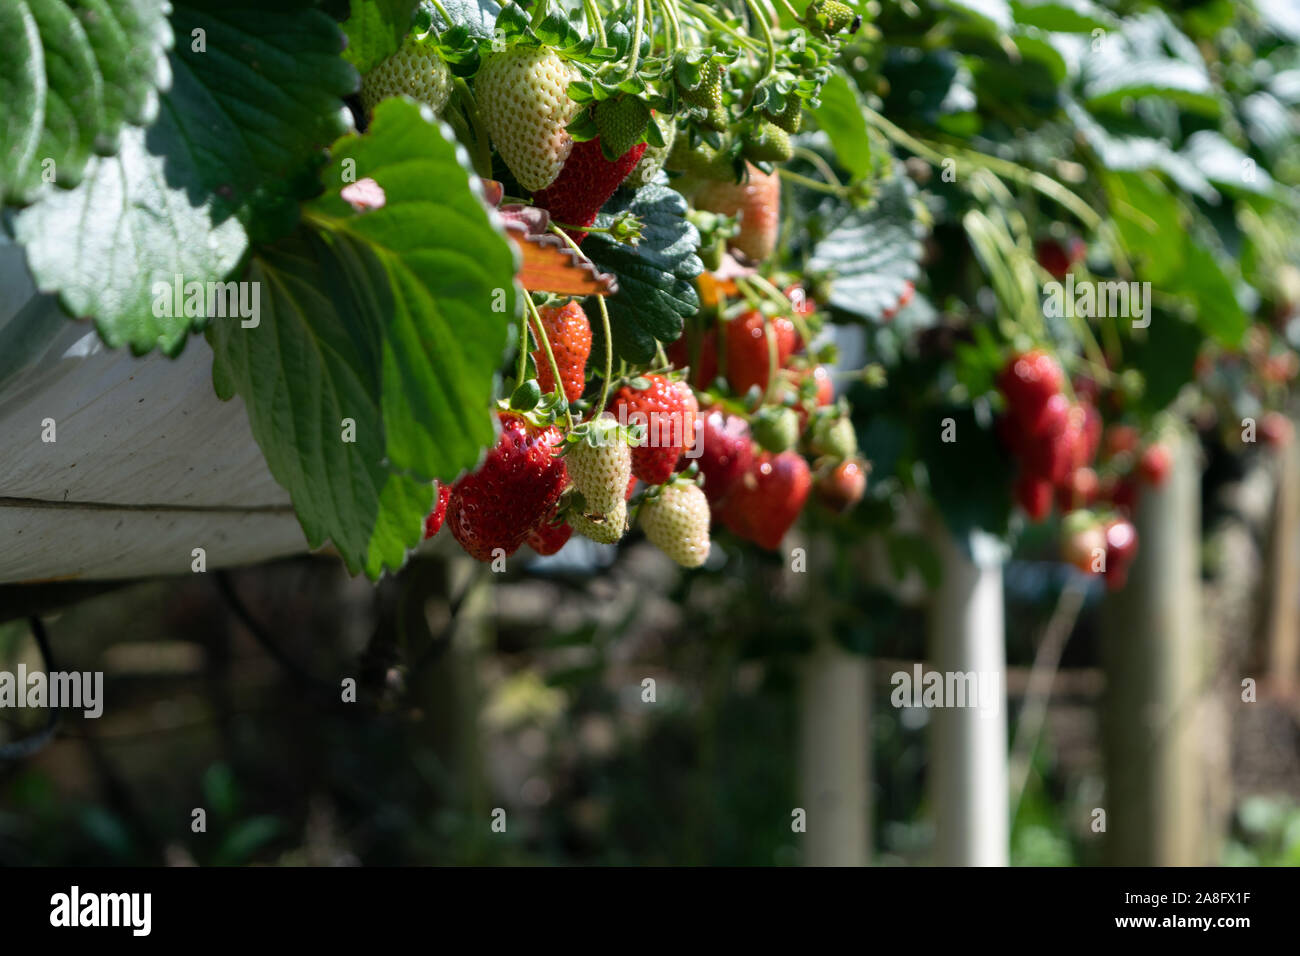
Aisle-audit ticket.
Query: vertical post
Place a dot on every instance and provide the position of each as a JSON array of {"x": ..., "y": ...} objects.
[
  {"x": 968, "y": 745},
  {"x": 1151, "y": 653},
  {"x": 835, "y": 739},
  {"x": 1284, "y": 576}
]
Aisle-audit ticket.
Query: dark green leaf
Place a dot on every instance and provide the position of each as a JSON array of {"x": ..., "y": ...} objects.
[
  {"x": 655, "y": 289},
  {"x": 969, "y": 478},
  {"x": 840, "y": 116},
  {"x": 872, "y": 253}
]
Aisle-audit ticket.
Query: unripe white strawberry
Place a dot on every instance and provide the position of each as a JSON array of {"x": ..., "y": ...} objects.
[
  {"x": 606, "y": 529},
  {"x": 600, "y": 465},
  {"x": 414, "y": 70},
  {"x": 523, "y": 101},
  {"x": 677, "y": 522}
]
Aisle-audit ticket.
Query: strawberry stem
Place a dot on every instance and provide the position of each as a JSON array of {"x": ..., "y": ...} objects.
[
  {"x": 674, "y": 26},
  {"x": 757, "y": 13},
  {"x": 810, "y": 183},
  {"x": 594, "y": 23},
  {"x": 823, "y": 167},
  {"x": 482, "y": 147},
  {"x": 791, "y": 10},
  {"x": 442, "y": 11},
  {"x": 772, "y": 362},
  {"x": 523, "y": 345},
  {"x": 634, "y": 54}
]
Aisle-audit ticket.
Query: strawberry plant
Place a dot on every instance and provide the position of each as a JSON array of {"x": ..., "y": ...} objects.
[{"x": 810, "y": 254}]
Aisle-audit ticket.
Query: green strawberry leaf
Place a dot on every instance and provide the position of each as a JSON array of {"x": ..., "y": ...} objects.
[
  {"x": 72, "y": 75},
  {"x": 840, "y": 116},
  {"x": 655, "y": 277},
  {"x": 232, "y": 152},
  {"x": 375, "y": 30},
  {"x": 1062, "y": 16},
  {"x": 969, "y": 477},
  {"x": 1148, "y": 57},
  {"x": 477, "y": 17},
  {"x": 872, "y": 254},
  {"x": 396, "y": 318}
]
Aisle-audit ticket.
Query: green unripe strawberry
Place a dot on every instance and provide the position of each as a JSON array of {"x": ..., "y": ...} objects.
[
  {"x": 829, "y": 17},
  {"x": 523, "y": 102},
  {"x": 621, "y": 122},
  {"x": 775, "y": 429},
  {"x": 707, "y": 94},
  {"x": 768, "y": 143},
  {"x": 789, "y": 119},
  {"x": 414, "y": 70},
  {"x": 600, "y": 465},
  {"x": 718, "y": 119},
  {"x": 834, "y": 436},
  {"x": 604, "y": 529},
  {"x": 655, "y": 156},
  {"x": 677, "y": 522}
]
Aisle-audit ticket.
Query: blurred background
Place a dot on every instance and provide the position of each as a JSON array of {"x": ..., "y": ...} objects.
[{"x": 529, "y": 691}]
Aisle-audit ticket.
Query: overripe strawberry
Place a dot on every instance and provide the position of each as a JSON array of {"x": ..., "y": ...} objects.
[
  {"x": 600, "y": 465},
  {"x": 569, "y": 333},
  {"x": 433, "y": 523},
  {"x": 677, "y": 522},
  {"x": 841, "y": 488},
  {"x": 604, "y": 528},
  {"x": 414, "y": 70},
  {"x": 550, "y": 535},
  {"x": 523, "y": 101},
  {"x": 704, "y": 369},
  {"x": 726, "y": 452},
  {"x": 585, "y": 184},
  {"x": 514, "y": 489},
  {"x": 668, "y": 410},
  {"x": 756, "y": 203},
  {"x": 748, "y": 359},
  {"x": 765, "y": 502}
]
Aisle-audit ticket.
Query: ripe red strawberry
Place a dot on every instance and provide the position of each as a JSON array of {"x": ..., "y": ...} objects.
[
  {"x": 1028, "y": 381},
  {"x": 705, "y": 370},
  {"x": 1154, "y": 464},
  {"x": 1034, "y": 495},
  {"x": 433, "y": 523},
  {"x": 569, "y": 333},
  {"x": 843, "y": 486},
  {"x": 514, "y": 489},
  {"x": 1276, "y": 429},
  {"x": 668, "y": 411},
  {"x": 677, "y": 522},
  {"x": 1119, "y": 439},
  {"x": 756, "y": 203},
  {"x": 904, "y": 298},
  {"x": 1078, "y": 491},
  {"x": 549, "y": 536},
  {"x": 764, "y": 503},
  {"x": 747, "y": 350},
  {"x": 414, "y": 70},
  {"x": 585, "y": 184},
  {"x": 1121, "y": 549},
  {"x": 1051, "y": 255},
  {"x": 726, "y": 452},
  {"x": 523, "y": 100}
]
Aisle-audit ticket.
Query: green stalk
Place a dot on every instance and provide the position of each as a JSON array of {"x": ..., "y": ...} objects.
[
  {"x": 809, "y": 183},
  {"x": 821, "y": 165},
  {"x": 594, "y": 22},
  {"x": 634, "y": 55},
  {"x": 523, "y": 344},
  {"x": 707, "y": 16},
  {"x": 768, "y": 42},
  {"x": 482, "y": 146}
]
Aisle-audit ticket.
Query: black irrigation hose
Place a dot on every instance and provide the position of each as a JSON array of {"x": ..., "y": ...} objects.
[{"x": 21, "y": 749}]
